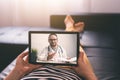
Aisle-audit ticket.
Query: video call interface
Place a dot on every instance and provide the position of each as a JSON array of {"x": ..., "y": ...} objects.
[{"x": 50, "y": 47}]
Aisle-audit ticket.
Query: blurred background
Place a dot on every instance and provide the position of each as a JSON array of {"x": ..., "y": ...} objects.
[
  {"x": 37, "y": 12},
  {"x": 17, "y": 17}
]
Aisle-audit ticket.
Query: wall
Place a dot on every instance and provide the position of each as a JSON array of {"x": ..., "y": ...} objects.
[
  {"x": 105, "y": 6},
  {"x": 37, "y": 12},
  {"x": 5, "y": 13}
]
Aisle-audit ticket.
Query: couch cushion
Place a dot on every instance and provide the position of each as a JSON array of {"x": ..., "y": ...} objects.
[
  {"x": 105, "y": 62},
  {"x": 98, "y": 39},
  {"x": 19, "y": 35}
]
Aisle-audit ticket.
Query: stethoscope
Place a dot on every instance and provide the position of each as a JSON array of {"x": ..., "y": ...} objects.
[{"x": 57, "y": 48}]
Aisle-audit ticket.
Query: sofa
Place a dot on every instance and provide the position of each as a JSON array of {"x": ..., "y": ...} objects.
[
  {"x": 13, "y": 40},
  {"x": 100, "y": 40}
]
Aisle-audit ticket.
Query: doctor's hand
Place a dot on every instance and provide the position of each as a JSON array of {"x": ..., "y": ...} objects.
[{"x": 50, "y": 56}]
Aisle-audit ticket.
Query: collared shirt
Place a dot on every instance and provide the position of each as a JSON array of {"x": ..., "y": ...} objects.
[{"x": 59, "y": 54}]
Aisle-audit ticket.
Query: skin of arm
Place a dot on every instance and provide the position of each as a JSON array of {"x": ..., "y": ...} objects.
[
  {"x": 84, "y": 68},
  {"x": 22, "y": 67}
]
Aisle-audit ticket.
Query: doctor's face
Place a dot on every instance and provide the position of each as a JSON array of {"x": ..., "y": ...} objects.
[{"x": 53, "y": 40}]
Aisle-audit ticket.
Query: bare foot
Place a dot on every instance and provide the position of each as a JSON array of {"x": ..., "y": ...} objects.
[
  {"x": 70, "y": 26},
  {"x": 69, "y": 22},
  {"x": 79, "y": 26}
]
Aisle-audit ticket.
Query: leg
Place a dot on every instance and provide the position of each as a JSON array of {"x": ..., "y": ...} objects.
[
  {"x": 72, "y": 26},
  {"x": 79, "y": 26},
  {"x": 69, "y": 22}
]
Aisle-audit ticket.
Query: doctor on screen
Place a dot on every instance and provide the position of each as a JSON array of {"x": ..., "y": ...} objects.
[{"x": 53, "y": 52}]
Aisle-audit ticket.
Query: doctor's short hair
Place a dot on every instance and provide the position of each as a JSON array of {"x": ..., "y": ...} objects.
[{"x": 52, "y": 34}]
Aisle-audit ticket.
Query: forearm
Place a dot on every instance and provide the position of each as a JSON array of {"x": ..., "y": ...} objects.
[
  {"x": 91, "y": 76},
  {"x": 15, "y": 74},
  {"x": 86, "y": 74}
]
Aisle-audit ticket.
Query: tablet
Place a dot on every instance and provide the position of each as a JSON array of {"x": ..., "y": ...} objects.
[{"x": 53, "y": 47}]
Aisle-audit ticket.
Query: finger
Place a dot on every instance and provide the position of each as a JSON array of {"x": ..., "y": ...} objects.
[
  {"x": 84, "y": 58},
  {"x": 23, "y": 54},
  {"x": 81, "y": 49},
  {"x": 26, "y": 58},
  {"x": 81, "y": 56},
  {"x": 53, "y": 54}
]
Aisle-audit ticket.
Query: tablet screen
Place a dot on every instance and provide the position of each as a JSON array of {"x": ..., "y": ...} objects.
[{"x": 50, "y": 47}]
